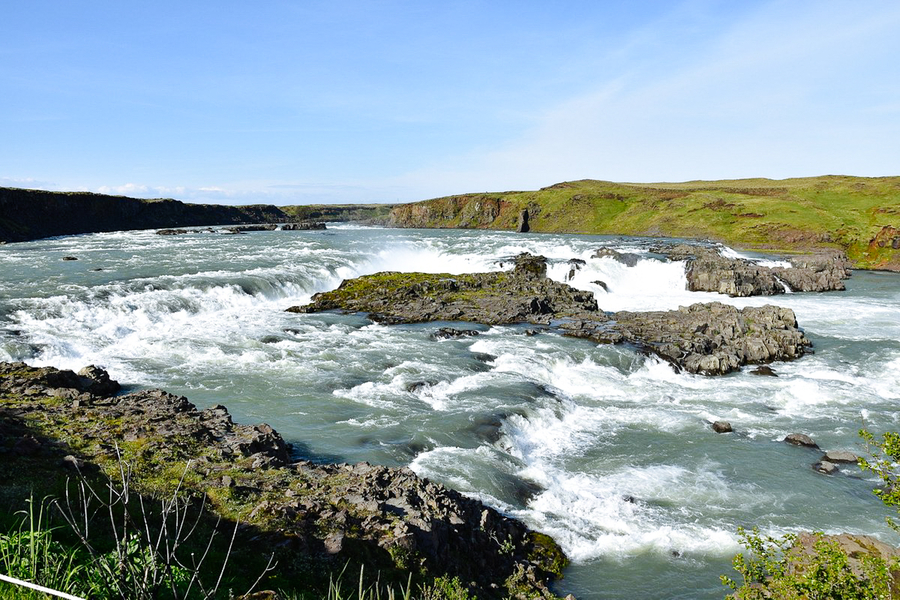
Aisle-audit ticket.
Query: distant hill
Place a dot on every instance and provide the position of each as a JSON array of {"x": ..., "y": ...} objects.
[{"x": 858, "y": 214}]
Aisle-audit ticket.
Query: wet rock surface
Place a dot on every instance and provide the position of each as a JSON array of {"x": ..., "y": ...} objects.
[
  {"x": 708, "y": 271},
  {"x": 383, "y": 517},
  {"x": 711, "y": 338}
]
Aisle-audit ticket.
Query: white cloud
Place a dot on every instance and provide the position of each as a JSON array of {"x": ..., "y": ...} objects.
[{"x": 794, "y": 90}]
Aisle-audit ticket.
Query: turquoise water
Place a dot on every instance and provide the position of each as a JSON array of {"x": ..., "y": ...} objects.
[{"x": 607, "y": 450}]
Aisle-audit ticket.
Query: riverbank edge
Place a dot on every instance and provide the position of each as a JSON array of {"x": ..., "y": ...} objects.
[{"x": 318, "y": 518}]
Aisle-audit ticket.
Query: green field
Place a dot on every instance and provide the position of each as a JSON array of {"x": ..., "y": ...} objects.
[{"x": 858, "y": 214}]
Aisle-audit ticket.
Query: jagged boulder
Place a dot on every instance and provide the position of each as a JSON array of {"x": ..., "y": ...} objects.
[
  {"x": 708, "y": 271},
  {"x": 710, "y": 339}
]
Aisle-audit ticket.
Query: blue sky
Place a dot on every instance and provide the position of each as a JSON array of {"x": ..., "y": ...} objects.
[{"x": 329, "y": 101}]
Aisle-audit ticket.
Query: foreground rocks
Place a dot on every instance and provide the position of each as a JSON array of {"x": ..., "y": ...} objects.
[
  {"x": 386, "y": 518},
  {"x": 708, "y": 271},
  {"x": 710, "y": 338}
]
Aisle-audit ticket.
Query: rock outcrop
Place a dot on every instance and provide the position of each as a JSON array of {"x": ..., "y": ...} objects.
[
  {"x": 305, "y": 226},
  {"x": 708, "y": 271},
  {"x": 523, "y": 295},
  {"x": 710, "y": 338},
  {"x": 387, "y": 518}
]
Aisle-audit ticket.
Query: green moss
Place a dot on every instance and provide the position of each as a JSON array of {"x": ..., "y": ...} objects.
[{"x": 547, "y": 553}]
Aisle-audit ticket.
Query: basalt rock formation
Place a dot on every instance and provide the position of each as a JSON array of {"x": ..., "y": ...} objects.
[
  {"x": 385, "y": 518},
  {"x": 710, "y": 338},
  {"x": 708, "y": 271}
]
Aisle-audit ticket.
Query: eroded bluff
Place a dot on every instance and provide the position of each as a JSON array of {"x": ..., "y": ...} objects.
[
  {"x": 385, "y": 518},
  {"x": 708, "y": 338}
]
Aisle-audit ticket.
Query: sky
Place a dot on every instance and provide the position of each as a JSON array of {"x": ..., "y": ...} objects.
[{"x": 330, "y": 101}]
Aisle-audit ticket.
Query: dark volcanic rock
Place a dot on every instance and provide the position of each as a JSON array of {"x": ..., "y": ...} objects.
[
  {"x": 708, "y": 271},
  {"x": 246, "y": 228},
  {"x": 711, "y": 339},
  {"x": 722, "y": 427},
  {"x": 305, "y": 226},
  {"x": 523, "y": 295},
  {"x": 764, "y": 371},
  {"x": 801, "y": 439},
  {"x": 446, "y": 333},
  {"x": 337, "y": 512}
]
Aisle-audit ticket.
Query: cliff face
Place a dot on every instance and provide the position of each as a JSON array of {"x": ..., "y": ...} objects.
[{"x": 34, "y": 214}]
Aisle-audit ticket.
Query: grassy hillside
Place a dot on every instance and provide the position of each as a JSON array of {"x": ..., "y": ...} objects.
[{"x": 860, "y": 215}]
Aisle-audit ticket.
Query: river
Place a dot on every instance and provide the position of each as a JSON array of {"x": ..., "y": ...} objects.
[{"x": 607, "y": 450}]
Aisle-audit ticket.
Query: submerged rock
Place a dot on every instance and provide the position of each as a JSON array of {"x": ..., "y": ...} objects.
[
  {"x": 764, "y": 371},
  {"x": 629, "y": 259}
]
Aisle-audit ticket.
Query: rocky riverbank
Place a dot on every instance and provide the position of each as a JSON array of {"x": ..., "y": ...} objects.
[
  {"x": 54, "y": 421},
  {"x": 709, "y": 338}
]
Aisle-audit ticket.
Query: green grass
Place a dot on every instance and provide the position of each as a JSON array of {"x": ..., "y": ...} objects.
[{"x": 783, "y": 215}]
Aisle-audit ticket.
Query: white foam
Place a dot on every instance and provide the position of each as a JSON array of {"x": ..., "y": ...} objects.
[{"x": 636, "y": 510}]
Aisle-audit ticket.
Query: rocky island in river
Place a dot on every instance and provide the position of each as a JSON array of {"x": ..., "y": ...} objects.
[{"x": 709, "y": 338}]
